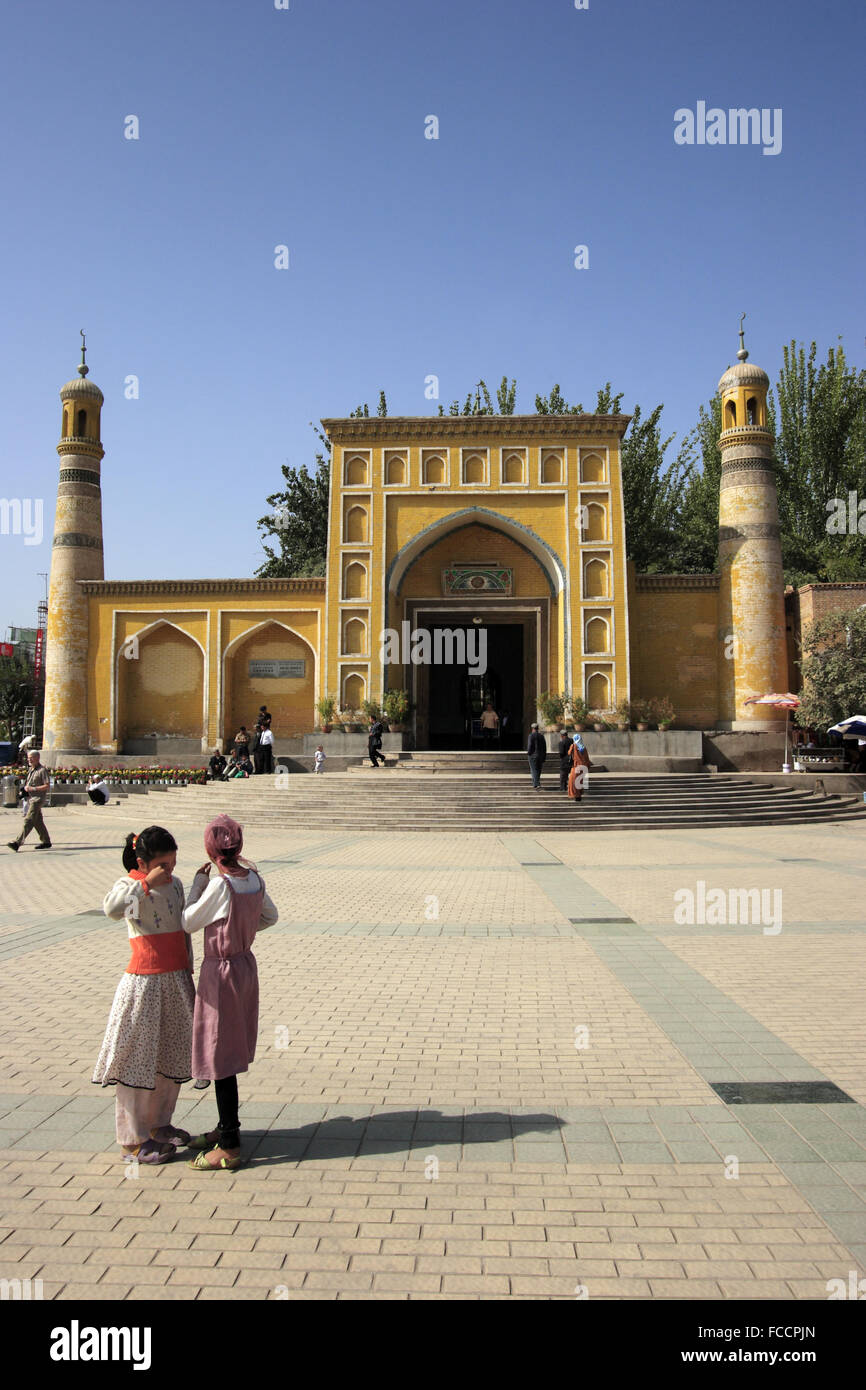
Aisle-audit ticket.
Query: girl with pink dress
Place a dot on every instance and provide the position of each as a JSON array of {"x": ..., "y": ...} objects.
[{"x": 229, "y": 908}]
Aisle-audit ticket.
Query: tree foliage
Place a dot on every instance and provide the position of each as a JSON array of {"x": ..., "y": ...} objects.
[
  {"x": 17, "y": 693},
  {"x": 297, "y": 523},
  {"x": 652, "y": 493},
  {"x": 834, "y": 669},
  {"x": 821, "y": 455}
]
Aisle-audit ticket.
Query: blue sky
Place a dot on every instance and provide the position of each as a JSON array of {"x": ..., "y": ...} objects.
[{"x": 407, "y": 256}]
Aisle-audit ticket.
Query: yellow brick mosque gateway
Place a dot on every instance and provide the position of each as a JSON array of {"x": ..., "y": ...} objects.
[{"x": 506, "y": 528}]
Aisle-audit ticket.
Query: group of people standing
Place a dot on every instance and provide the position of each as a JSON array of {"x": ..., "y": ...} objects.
[
  {"x": 238, "y": 763},
  {"x": 162, "y": 1031},
  {"x": 574, "y": 761}
]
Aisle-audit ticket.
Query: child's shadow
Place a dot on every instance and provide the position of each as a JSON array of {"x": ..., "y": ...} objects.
[{"x": 395, "y": 1133}]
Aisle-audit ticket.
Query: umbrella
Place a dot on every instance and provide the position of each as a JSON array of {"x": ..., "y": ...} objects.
[
  {"x": 849, "y": 728},
  {"x": 786, "y": 702}
]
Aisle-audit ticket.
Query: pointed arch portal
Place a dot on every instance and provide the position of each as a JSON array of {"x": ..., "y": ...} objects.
[{"x": 449, "y": 695}]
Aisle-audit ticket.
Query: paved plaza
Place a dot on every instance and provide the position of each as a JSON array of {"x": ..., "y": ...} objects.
[{"x": 486, "y": 1069}]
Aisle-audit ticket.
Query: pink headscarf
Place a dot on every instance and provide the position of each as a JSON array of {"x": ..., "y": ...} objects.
[{"x": 223, "y": 840}]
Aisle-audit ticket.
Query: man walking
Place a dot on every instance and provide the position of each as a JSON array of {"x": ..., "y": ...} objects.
[
  {"x": 537, "y": 751},
  {"x": 374, "y": 741},
  {"x": 564, "y": 751},
  {"x": 36, "y": 790}
]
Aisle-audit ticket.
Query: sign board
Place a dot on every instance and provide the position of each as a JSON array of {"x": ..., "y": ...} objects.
[
  {"x": 280, "y": 669},
  {"x": 37, "y": 655},
  {"x": 6, "y": 649}
]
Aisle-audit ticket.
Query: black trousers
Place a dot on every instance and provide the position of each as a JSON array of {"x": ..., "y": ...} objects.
[
  {"x": 267, "y": 757},
  {"x": 226, "y": 1090},
  {"x": 373, "y": 750},
  {"x": 564, "y": 772}
]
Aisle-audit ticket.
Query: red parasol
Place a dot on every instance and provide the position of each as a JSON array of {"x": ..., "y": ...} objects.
[{"x": 786, "y": 702}]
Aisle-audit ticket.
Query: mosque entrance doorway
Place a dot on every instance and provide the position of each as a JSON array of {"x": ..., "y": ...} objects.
[
  {"x": 501, "y": 645},
  {"x": 457, "y": 694}
]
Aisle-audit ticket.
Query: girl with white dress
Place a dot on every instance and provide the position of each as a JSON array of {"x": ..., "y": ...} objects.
[{"x": 147, "y": 1048}]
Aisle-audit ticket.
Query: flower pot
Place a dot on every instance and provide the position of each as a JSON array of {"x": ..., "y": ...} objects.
[
  {"x": 599, "y": 728},
  {"x": 623, "y": 728},
  {"x": 579, "y": 728},
  {"x": 664, "y": 728},
  {"x": 396, "y": 728},
  {"x": 326, "y": 728},
  {"x": 642, "y": 728}
]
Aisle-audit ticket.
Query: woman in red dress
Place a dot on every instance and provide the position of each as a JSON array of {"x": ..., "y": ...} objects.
[{"x": 579, "y": 760}]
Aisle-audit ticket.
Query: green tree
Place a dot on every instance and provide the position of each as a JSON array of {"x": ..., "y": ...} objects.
[
  {"x": 17, "y": 693},
  {"x": 833, "y": 664},
  {"x": 506, "y": 395},
  {"x": 697, "y": 541},
  {"x": 821, "y": 455},
  {"x": 652, "y": 493},
  {"x": 556, "y": 404},
  {"x": 297, "y": 523}
]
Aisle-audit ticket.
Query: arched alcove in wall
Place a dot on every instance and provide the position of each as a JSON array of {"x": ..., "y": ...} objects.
[
  {"x": 354, "y": 636},
  {"x": 598, "y": 691},
  {"x": 595, "y": 579},
  {"x": 474, "y": 468},
  {"x": 591, "y": 468},
  {"x": 356, "y": 470},
  {"x": 355, "y": 580},
  {"x": 290, "y": 699},
  {"x": 597, "y": 635},
  {"x": 160, "y": 685},
  {"x": 356, "y": 523},
  {"x": 596, "y": 522},
  {"x": 354, "y": 691},
  {"x": 433, "y": 469}
]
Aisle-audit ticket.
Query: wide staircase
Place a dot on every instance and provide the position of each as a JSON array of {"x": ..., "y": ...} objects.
[{"x": 446, "y": 803}]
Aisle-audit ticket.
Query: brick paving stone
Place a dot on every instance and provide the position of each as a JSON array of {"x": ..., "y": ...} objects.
[{"x": 406, "y": 1037}]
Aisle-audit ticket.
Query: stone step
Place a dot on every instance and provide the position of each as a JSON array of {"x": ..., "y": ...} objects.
[{"x": 498, "y": 802}]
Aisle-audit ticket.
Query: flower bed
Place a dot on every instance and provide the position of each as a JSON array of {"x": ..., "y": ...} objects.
[{"x": 126, "y": 776}]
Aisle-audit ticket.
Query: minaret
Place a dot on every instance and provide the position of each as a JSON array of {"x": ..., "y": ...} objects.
[
  {"x": 754, "y": 658},
  {"x": 76, "y": 554}
]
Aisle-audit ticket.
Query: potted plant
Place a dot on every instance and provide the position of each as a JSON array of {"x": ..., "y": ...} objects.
[
  {"x": 622, "y": 714},
  {"x": 395, "y": 704},
  {"x": 371, "y": 709},
  {"x": 662, "y": 711},
  {"x": 551, "y": 707},
  {"x": 640, "y": 715},
  {"x": 599, "y": 720},
  {"x": 579, "y": 713},
  {"x": 325, "y": 707},
  {"x": 353, "y": 720}
]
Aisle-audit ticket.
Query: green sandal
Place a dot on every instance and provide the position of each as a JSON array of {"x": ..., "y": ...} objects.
[
  {"x": 204, "y": 1141},
  {"x": 201, "y": 1165}
]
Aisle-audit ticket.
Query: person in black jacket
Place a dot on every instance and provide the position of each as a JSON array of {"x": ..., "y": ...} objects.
[
  {"x": 564, "y": 751},
  {"x": 537, "y": 751},
  {"x": 217, "y": 766},
  {"x": 374, "y": 741}
]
